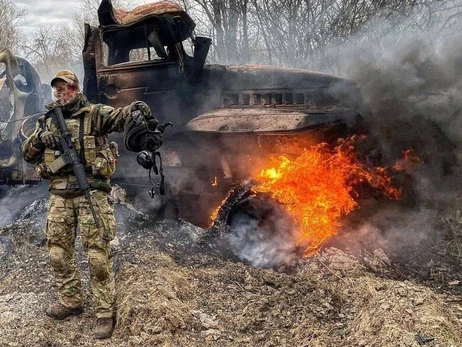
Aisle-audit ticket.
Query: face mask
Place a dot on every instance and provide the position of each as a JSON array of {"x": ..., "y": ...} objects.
[{"x": 65, "y": 96}]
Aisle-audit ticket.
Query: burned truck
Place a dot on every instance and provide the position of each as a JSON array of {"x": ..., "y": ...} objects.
[{"x": 226, "y": 119}]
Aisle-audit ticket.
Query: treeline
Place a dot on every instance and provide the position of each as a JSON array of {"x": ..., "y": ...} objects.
[
  {"x": 294, "y": 33},
  {"x": 305, "y": 33}
]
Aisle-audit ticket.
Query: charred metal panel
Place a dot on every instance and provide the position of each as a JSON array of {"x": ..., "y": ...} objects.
[
  {"x": 161, "y": 88},
  {"x": 110, "y": 16},
  {"x": 90, "y": 88},
  {"x": 161, "y": 85},
  {"x": 297, "y": 86},
  {"x": 22, "y": 94},
  {"x": 250, "y": 120},
  {"x": 313, "y": 98}
]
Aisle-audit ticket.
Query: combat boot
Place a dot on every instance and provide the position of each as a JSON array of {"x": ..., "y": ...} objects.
[
  {"x": 104, "y": 328},
  {"x": 59, "y": 311}
]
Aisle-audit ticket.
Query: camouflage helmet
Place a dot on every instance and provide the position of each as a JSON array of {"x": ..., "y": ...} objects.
[{"x": 66, "y": 76}]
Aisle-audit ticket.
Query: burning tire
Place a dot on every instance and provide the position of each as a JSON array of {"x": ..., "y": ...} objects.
[
  {"x": 295, "y": 204},
  {"x": 259, "y": 229}
]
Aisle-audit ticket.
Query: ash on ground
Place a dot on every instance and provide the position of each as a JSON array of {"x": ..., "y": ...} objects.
[{"x": 178, "y": 286}]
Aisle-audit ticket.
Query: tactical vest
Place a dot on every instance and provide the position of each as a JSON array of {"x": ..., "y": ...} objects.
[{"x": 98, "y": 156}]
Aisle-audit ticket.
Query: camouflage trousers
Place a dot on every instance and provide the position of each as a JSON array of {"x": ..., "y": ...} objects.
[{"x": 64, "y": 214}]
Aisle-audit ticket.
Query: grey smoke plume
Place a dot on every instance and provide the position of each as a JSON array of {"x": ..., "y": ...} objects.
[
  {"x": 411, "y": 84},
  {"x": 393, "y": 229},
  {"x": 263, "y": 235},
  {"x": 414, "y": 96},
  {"x": 264, "y": 243},
  {"x": 19, "y": 201}
]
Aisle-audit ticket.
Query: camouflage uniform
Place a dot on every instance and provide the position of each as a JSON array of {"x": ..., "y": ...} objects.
[{"x": 88, "y": 125}]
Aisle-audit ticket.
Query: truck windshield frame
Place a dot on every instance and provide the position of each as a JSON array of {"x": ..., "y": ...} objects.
[{"x": 135, "y": 44}]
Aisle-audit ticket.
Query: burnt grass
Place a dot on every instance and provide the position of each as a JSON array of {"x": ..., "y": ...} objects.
[{"x": 177, "y": 288}]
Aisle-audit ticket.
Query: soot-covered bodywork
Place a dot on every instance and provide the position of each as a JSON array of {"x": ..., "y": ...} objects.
[
  {"x": 21, "y": 95},
  {"x": 226, "y": 118}
]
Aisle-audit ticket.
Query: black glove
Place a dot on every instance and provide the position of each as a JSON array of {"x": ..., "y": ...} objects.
[
  {"x": 152, "y": 124},
  {"x": 140, "y": 131},
  {"x": 49, "y": 139}
]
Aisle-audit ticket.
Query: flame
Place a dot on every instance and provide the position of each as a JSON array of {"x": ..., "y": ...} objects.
[
  {"x": 214, "y": 182},
  {"x": 317, "y": 188}
]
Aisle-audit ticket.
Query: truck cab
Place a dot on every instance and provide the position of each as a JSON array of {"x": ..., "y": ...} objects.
[{"x": 140, "y": 55}]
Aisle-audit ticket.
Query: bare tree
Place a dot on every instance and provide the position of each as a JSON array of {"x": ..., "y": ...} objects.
[
  {"x": 293, "y": 33},
  {"x": 10, "y": 15},
  {"x": 88, "y": 13},
  {"x": 60, "y": 47},
  {"x": 228, "y": 25},
  {"x": 50, "y": 50}
]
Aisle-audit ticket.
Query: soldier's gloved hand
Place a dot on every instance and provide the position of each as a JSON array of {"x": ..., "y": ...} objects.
[
  {"x": 49, "y": 139},
  {"x": 152, "y": 124}
]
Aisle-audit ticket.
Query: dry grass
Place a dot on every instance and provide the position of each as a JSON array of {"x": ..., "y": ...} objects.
[
  {"x": 451, "y": 221},
  {"x": 154, "y": 301},
  {"x": 332, "y": 299}
]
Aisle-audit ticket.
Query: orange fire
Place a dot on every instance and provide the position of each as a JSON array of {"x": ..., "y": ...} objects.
[{"x": 317, "y": 188}]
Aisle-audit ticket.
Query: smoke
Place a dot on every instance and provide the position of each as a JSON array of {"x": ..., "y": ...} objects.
[
  {"x": 410, "y": 78},
  {"x": 19, "y": 202},
  {"x": 399, "y": 232},
  {"x": 411, "y": 84},
  {"x": 266, "y": 241}
]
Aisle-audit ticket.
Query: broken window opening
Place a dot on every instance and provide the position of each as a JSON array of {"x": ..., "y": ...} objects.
[
  {"x": 136, "y": 44},
  {"x": 188, "y": 47},
  {"x": 143, "y": 54}
]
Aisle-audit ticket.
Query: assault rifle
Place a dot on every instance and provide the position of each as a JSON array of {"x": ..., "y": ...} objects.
[{"x": 70, "y": 156}]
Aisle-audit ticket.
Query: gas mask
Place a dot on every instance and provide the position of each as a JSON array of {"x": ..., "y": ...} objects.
[{"x": 148, "y": 159}]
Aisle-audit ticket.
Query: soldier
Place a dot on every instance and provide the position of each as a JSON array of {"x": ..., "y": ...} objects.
[{"x": 89, "y": 126}]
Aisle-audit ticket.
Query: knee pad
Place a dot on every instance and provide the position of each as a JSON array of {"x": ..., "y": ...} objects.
[
  {"x": 99, "y": 265},
  {"x": 58, "y": 259}
]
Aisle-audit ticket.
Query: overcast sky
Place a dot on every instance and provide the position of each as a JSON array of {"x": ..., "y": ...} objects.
[
  {"x": 46, "y": 12},
  {"x": 53, "y": 12}
]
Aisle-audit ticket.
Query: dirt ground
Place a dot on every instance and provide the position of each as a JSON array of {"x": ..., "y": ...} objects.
[{"x": 174, "y": 290}]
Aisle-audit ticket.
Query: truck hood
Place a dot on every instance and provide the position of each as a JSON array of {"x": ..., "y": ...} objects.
[{"x": 280, "y": 77}]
